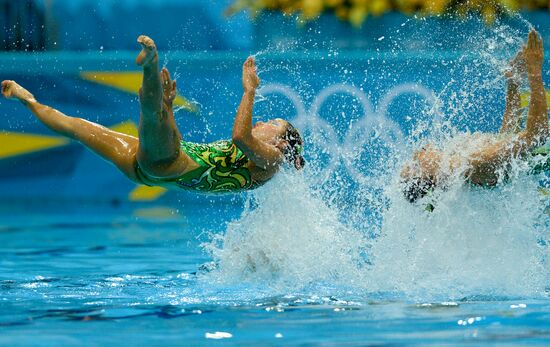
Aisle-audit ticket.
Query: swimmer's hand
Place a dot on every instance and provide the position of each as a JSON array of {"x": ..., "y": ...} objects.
[
  {"x": 533, "y": 53},
  {"x": 250, "y": 77},
  {"x": 169, "y": 90}
]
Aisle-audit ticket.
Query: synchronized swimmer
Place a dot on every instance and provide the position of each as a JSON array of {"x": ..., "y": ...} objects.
[
  {"x": 159, "y": 157},
  {"x": 432, "y": 167}
]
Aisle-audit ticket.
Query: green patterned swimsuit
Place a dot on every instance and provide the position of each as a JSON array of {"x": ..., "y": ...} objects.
[
  {"x": 540, "y": 160},
  {"x": 222, "y": 168}
]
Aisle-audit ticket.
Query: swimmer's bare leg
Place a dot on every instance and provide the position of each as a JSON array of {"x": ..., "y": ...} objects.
[
  {"x": 118, "y": 148},
  {"x": 512, "y": 112},
  {"x": 537, "y": 129},
  {"x": 159, "y": 152}
]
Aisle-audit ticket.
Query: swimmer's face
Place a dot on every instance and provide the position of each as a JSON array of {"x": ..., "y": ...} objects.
[
  {"x": 420, "y": 175},
  {"x": 270, "y": 131}
]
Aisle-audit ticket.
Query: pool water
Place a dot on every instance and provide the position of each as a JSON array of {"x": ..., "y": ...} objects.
[{"x": 139, "y": 276}]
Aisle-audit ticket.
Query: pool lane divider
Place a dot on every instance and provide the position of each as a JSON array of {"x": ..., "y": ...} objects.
[
  {"x": 13, "y": 144},
  {"x": 130, "y": 82}
]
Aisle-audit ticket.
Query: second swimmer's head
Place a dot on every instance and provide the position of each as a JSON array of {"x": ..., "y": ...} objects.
[{"x": 285, "y": 137}]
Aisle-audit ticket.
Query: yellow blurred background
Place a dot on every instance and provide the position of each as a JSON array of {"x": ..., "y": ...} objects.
[{"x": 357, "y": 11}]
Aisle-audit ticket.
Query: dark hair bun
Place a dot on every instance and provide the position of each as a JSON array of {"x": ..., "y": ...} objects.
[
  {"x": 416, "y": 188},
  {"x": 293, "y": 150}
]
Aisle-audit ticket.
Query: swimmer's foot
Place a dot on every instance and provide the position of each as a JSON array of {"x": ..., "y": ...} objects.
[
  {"x": 148, "y": 54},
  {"x": 12, "y": 90}
]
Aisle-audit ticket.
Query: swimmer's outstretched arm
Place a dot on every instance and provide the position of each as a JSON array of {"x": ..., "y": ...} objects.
[
  {"x": 169, "y": 92},
  {"x": 118, "y": 148},
  {"x": 537, "y": 128},
  {"x": 263, "y": 155},
  {"x": 512, "y": 112}
]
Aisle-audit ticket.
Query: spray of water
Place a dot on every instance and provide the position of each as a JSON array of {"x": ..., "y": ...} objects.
[
  {"x": 287, "y": 236},
  {"x": 475, "y": 242},
  {"x": 299, "y": 230}
]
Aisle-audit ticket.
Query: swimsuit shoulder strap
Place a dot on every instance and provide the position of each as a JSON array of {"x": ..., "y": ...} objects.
[{"x": 540, "y": 160}]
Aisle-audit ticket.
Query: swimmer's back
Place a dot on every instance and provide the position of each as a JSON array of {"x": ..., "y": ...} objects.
[{"x": 222, "y": 167}]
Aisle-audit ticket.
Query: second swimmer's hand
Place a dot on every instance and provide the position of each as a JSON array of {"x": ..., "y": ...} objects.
[
  {"x": 250, "y": 77},
  {"x": 533, "y": 54}
]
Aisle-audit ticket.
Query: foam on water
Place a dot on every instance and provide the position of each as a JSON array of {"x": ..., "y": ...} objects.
[
  {"x": 475, "y": 242},
  {"x": 297, "y": 231},
  {"x": 288, "y": 236}
]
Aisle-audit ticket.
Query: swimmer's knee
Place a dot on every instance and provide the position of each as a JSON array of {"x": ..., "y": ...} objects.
[{"x": 127, "y": 164}]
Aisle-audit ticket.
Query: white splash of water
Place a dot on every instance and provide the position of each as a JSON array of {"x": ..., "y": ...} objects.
[
  {"x": 489, "y": 242},
  {"x": 288, "y": 236},
  {"x": 475, "y": 242}
]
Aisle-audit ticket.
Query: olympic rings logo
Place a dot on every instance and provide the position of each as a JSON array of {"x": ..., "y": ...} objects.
[{"x": 372, "y": 120}]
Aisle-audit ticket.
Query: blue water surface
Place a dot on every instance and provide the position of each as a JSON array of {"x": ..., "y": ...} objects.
[{"x": 112, "y": 275}]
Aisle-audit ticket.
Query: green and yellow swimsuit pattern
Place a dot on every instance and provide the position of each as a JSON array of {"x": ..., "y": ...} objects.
[
  {"x": 540, "y": 160},
  {"x": 222, "y": 168}
]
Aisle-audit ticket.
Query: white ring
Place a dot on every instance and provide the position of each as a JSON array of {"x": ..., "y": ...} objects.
[{"x": 331, "y": 147}]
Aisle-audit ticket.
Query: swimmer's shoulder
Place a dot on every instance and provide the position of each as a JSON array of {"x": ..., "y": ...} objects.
[{"x": 260, "y": 175}]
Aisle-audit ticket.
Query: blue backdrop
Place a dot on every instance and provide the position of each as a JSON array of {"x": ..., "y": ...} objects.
[{"x": 335, "y": 83}]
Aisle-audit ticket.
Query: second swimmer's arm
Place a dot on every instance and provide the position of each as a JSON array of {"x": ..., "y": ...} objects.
[
  {"x": 510, "y": 121},
  {"x": 537, "y": 129},
  {"x": 512, "y": 113},
  {"x": 262, "y": 154}
]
